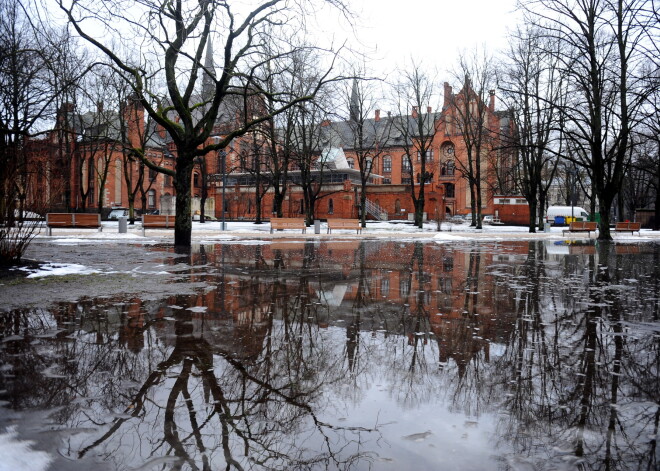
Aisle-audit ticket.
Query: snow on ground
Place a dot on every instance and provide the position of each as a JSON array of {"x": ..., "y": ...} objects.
[
  {"x": 19, "y": 454},
  {"x": 58, "y": 269},
  {"x": 248, "y": 232}
]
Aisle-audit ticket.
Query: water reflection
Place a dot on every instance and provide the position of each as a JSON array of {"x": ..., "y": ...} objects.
[{"x": 357, "y": 355}]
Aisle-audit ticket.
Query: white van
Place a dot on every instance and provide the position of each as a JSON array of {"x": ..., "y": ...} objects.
[{"x": 566, "y": 212}]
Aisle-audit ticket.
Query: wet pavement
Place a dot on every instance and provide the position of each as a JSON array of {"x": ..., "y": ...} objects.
[{"x": 351, "y": 354}]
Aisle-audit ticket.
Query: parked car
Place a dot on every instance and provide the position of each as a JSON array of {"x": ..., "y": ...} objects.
[
  {"x": 207, "y": 217},
  {"x": 117, "y": 213}
]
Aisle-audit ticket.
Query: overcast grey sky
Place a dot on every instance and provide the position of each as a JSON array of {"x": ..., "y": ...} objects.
[{"x": 430, "y": 31}]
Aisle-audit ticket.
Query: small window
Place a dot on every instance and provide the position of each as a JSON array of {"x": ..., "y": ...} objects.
[
  {"x": 351, "y": 163},
  {"x": 195, "y": 179}
]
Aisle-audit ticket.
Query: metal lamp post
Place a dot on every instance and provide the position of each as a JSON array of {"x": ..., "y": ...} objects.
[
  {"x": 572, "y": 175},
  {"x": 223, "y": 155}
]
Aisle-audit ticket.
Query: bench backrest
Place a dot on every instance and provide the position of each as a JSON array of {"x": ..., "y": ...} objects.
[
  {"x": 583, "y": 226},
  {"x": 344, "y": 222},
  {"x": 628, "y": 226},
  {"x": 73, "y": 219},
  {"x": 158, "y": 220},
  {"x": 296, "y": 221}
]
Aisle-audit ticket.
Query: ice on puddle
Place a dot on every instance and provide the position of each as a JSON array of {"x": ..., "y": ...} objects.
[
  {"x": 418, "y": 437},
  {"x": 197, "y": 309}
]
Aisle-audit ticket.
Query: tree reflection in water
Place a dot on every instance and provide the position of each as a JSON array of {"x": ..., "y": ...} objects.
[{"x": 277, "y": 363}]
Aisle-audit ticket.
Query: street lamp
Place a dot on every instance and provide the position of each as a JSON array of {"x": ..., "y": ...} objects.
[
  {"x": 223, "y": 156},
  {"x": 572, "y": 178}
]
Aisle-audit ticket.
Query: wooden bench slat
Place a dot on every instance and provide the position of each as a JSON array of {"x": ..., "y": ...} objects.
[
  {"x": 631, "y": 227},
  {"x": 158, "y": 221},
  {"x": 287, "y": 223},
  {"x": 73, "y": 220},
  {"x": 352, "y": 224},
  {"x": 582, "y": 226}
]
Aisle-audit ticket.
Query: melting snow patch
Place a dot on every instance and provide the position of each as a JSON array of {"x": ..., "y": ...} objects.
[
  {"x": 446, "y": 236},
  {"x": 18, "y": 454},
  {"x": 59, "y": 269}
]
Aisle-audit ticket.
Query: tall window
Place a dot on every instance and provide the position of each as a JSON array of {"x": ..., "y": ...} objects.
[
  {"x": 397, "y": 206},
  {"x": 448, "y": 168},
  {"x": 92, "y": 179},
  {"x": 384, "y": 285},
  {"x": 387, "y": 164},
  {"x": 151, "y": 199},
  {"x": 405, "y": 165},
  {"x": 367, "y": 165},
  {"x": 351, "y": 163},
  {"x": 331, "y": 206},
  {"x": 118, "y": 179},
  {"x": 195, "y": 179},
  {"x": 450, "y": 190},
  {"x": 429, "y": 155}
]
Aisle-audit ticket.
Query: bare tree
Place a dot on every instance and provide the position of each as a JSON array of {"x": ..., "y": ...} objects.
[
  {"x": 470, "y": 116},
  {"x": 534, "y": 89},
  {"x": 600, "y": 57},
  {"x": 180, "y": 32},
  {"x": 30, "y": 85},
  {"x": 368, "y": 136},
  {"x": 414, "y": 93}
]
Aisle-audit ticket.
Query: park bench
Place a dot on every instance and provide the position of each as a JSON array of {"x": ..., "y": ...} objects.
[
  {"x": 73, "y": 221},
  {"x": 344, "y": 224},
  {"x": 157, "y": 221},
  {"x": 582, "y": 226},
  {"x": 287, "y": 223},
  {"x": 631, "y": 227}
]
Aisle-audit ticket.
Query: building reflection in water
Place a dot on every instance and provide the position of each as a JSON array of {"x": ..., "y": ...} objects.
[{"x": 357, "y": 354}]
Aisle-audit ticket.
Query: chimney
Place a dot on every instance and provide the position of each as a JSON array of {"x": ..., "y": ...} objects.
[
  {"x": 448, "y": 93},
  {"x": 414, "y": 112},
  {"x": 429, "y": 109},
  {"x": 377, "y": 118},
  {"x": 325, "y": 122},
  {"x": 491, "y": 105}
]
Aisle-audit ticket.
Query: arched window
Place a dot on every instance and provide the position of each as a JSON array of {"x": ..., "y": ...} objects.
[
  {"x": 195, "y": 179},
  {"x": 331, "y": 206},
  {"x": 397, "y": 206},
  {"x": 387, "y": 164},
  {"x": 367, "y": 165}
]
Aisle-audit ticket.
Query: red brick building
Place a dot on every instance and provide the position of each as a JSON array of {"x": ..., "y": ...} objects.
[{"x": 88, "y": 167}]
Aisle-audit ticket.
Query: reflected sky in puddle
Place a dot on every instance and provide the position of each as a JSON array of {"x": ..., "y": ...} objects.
[{"x": 352, "y": 355}]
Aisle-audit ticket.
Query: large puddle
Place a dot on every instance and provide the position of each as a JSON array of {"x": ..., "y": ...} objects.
[{"x": 350, "y": 355}]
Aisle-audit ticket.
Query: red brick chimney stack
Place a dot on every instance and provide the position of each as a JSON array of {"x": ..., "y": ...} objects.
[
  {"x": 448, "y": 93},
  {"x": 414, "y": 112},
  {"x": 377, "y": 118},
  {"x": 491, "y": 105},
  {"x": 429, "y": 109}
]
